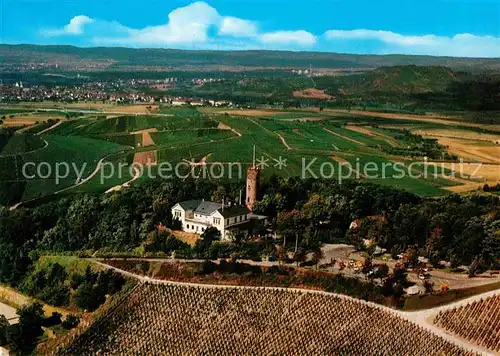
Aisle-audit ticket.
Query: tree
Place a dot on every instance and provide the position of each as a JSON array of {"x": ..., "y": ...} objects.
[
  {"x": 210, "y": 234},
  {"x": 367, "y": 267},
  {"x": 400, "y": 275},
  {"x": 219, "y": 194},
  {"x": 237, "y": 236},
  {"x": 299, "y": 256},
  {"x": 281, "y": 253},
  {"x": 317, "y": 256},
  {"x": 290, "y": 224},
  {"x": 381, "y": 272},
  {"x": 85, "y": 298},
  {"x": 429, "y": 286},
  {"x": 4, "y": 329},
  {"x": 412, "y": 256},
  {"x": 70, "y": 322},
  {"x": 23, "y": 336}
]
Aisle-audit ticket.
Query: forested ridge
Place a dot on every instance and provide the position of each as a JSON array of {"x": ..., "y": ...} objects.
[{"x": 459, "y": 229}]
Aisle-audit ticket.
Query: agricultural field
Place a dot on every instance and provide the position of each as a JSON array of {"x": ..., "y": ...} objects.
[
  {"x": 332, "y": 144},
  {"x": 128, "y": 124},
  {"x": 88, "y": 106},
  {"x": 28, "y": 118},
  {"x": 166, "y": 319},
  {"x": 477, "y": 322},
  {"x": 22, "y": 143},
  {"x": 84, "y": 153}
]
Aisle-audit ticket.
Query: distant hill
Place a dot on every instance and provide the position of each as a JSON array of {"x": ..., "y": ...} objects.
[
  {"x": 399, "y": 79},
  {"x": 127, "y": 58}
]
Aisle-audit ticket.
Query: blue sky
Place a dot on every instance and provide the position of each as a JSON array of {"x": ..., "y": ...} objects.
[{"x": 468, "y": 28}]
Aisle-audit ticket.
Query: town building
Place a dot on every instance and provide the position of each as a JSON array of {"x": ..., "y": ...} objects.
[{"x": 197, "y": 215}]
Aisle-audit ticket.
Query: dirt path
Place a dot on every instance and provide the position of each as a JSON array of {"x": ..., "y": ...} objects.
[
  {"x": 147, "y": 140},
  {"x": 288, "y": 147},
  {"x": 425, "y": 318},
  {"x": 365, "y": 131},
  {"x": 137, "y": 175},
  {"x": 154, "y": 129},
  {"x": 50, "y": 128},
  {"x": 9, "y": 312},
  {"x": 26, "y": 128},
  {"x": 222, "y": 126},
  {"x": 202, "y": 162},
  {"x": 282, "y": 139},
  {"x": 420, "y": 318},
  {"x": 344, "y": 137}
]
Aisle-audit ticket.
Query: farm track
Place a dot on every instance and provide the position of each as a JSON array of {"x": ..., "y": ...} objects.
[
  {"x": 223, "y": 126},
  {"x": 137, "y": 175},
  {"x": 282, "y": 139},
  {"x": 422, "y": 318},
  {"x": 344, "y": 137},
  {"x": 50, "y": 128},
  {"x": 363, "y": 130},
  {"x": 288, "y": 147},
  {"x": 92, "y": 175}
]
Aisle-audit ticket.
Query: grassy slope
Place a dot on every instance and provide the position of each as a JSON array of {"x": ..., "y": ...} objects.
[
  {"x": 73, "y": 150},
  {"x": 22, "y": 143}
]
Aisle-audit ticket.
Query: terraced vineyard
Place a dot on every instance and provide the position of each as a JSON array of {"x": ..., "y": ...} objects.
[
  {"x": 18, "y": 182},
  {"x": 314, "y": 144},
  {"x": 22, "y": 143},
  {"x": 478, "y": 322},
  {"x": 159, "y": 319}
]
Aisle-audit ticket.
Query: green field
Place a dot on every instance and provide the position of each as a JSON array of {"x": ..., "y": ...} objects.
[
  {"x": 22, "y": 143},
  {"x": 320, "y": 147},
  {"x": 82, "y": 155}
]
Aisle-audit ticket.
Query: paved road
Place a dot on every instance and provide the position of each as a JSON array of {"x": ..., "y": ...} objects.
[
  {"x": 8, "y": 312},
  {"x": 422, "y": 318}
]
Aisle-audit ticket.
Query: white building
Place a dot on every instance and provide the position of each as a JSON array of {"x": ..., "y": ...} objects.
[
  {"x": 178, "y": 102},
  {"x": 197, "y": 215}
]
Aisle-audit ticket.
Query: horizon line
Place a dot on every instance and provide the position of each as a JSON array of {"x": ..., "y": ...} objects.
[{"x": 252, "y": 50}]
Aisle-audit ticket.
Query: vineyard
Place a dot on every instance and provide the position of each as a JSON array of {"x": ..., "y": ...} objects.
[
  {"x": 160, "y": 319},
  {"x": 478, "y": 322},
  {"x": 22, "y": 143}
]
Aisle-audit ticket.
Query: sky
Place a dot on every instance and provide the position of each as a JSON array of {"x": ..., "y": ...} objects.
[{"x": 462, "y": 28}]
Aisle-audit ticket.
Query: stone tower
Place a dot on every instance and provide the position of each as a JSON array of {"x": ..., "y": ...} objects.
[{"x": 253, "y": 174}]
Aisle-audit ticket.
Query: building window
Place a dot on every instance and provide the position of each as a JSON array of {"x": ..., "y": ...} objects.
[
  {"x": 217, "y": 221},
  {"x": 177, "y": 213},
  {"x": 227, "y": 221},
  {"x": 202, "y": 229},
  {"x": 187, "y": 226}
]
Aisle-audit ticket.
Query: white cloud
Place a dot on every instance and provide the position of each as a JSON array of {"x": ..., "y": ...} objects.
[
  {"x": 187, "y": 24},
  {"x": 199, "y": 25},
  {"x": 74, "y": 27},
  {"x": 385, "y": 36},
  {"x": 189, "y": 27},
  {"x": 301, "y": 38},
  {"x": 463, "y": 45},
  {"x": 233, "y": 26}
]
